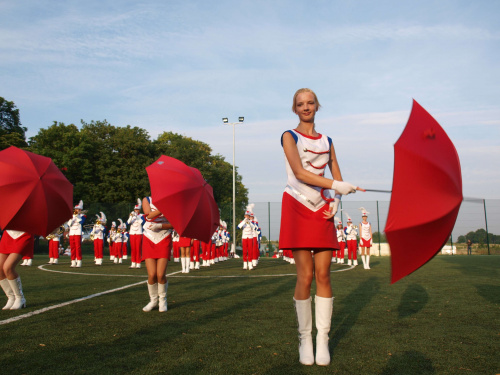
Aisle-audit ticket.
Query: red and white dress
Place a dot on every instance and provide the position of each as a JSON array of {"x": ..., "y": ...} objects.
[
  {"x": 302, "y": 223},
  {"x": 365, "y": 239},
  {"x": 17, "y": 242},
  {"x": 341, "y": 238},
  {"x": 156, "y": 244}
]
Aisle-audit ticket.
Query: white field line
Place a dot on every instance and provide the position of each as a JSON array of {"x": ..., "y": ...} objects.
[{"x": 36, "y": 312}]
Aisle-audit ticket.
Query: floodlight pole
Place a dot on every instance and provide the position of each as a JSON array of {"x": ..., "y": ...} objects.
[{"x": 240, "y": 121}]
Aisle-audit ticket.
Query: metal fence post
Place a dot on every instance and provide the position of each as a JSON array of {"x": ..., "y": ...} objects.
[
  {"x": 486, "y": 222},
  {"x": 269, "y": 220},
  {"x": 379, "y": 234}
]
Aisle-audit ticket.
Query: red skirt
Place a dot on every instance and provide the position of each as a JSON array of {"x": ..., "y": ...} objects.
[
  {"x": 302, "y": 228},
  {"x": 158, "y": 250},
  {"x": 184, "y": 242},
  {"x": 24, "y": 245}
]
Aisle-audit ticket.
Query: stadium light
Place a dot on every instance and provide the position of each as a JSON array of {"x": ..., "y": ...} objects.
[{"x": 226, "y": 122}]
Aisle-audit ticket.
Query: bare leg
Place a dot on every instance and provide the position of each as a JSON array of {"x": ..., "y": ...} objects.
[
  {"x": 151, "y": 269},
  {"x": 8, "y": 263},
  {"x": 304, "y": 267},
  {"x": 161, "y": 269},
  {"x": 322, "y": 262}
]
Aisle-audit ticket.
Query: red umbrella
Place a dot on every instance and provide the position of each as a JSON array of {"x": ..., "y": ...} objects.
[
  {"x": 34, "y": 194},
  {"x": 426, "y": 193},
  {"x": 184, "y": 197}
]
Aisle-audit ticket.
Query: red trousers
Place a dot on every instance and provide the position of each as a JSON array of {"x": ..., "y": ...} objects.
[
  {"x": 341, "y": 252},
  {"x": 136, "y": 248},
  {"x": 54, "y": 249},
  {"x": 98, "y": 245},
  {"x": 247, "y": 244},
  {"x": 352, "y": 246},
  {"x": 118, "y": 249},
  {"x": 75, "y": 244},
  {"x": 195, "y": 251}
]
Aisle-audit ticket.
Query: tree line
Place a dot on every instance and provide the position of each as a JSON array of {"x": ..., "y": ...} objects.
[{"x": 106, "y": 163}]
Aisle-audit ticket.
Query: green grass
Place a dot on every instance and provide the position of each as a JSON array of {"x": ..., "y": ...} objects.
[{"x": 443, "y": 319}]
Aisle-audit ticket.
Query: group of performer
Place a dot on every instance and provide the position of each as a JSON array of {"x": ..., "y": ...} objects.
[{"x": 250, "y": 239}]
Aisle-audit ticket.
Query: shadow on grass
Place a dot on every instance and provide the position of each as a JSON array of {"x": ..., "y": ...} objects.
[
  {"x": 352, "y": 304},
  {"x": 409, "y": 363},
  {"x": 489, "y": 292},
  {"x": 412, "y": 301}
]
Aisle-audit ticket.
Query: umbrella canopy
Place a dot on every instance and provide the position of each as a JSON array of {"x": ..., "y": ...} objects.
[
  {"x": 35, "y": 196},
  {"x": 184, "y": 197},
  {"x": 426, "y": 193}
]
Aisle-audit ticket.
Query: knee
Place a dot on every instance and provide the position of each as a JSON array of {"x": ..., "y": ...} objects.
[
  {"x": 323, "y": 278},
  {"x": 305, "y": 279}
]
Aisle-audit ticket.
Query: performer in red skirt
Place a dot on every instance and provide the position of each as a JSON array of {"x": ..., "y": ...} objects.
[
  {"x": 13, "y": 246},
  {"x": 156, "y": 246},
  {"x": 307, "y": 222},
  {"x": 365, "y": 239},
  {"x": 185, "y": 250}
]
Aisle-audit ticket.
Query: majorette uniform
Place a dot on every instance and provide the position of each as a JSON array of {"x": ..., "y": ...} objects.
[
  {"x": 136, "y": 221},
  {"x": 352, "y": 244},
  {"x": 213, "y": 245},
  {"x": 97, "y": 233},
  {"x": 341, "y": 238},
  {"x": 111, "y": 236},
  {"x": 126, "y": 238},
  {"x": 302, "y": 222},
  {"x": 157, "y": 244},
  {"x": 175, "y": 244},
  {"x": 255, "y": 242},
  {"x": 219, "y": 244},
  {"x": 15, "y": 242},
  {"x": 226, "y": 248},
  {"x": 365, "y": 240},
  {"x": 118, "y": 243},
  {"x": 54, "y": 242},
  {"x": 247, "y": 239},
  {"x": 75, "y": 225}
]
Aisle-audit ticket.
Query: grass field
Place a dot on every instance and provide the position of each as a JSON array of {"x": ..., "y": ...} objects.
[{"x": 443, "y": 319}]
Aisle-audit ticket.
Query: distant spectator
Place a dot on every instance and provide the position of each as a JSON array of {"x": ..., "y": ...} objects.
[{"x": 469, "y": 247}]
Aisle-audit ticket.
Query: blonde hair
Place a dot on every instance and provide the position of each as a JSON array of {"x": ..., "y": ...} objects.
[{"x": 300, "y": 91}]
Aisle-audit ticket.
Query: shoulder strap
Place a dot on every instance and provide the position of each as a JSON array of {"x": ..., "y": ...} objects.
[{"x": 293, "y": 135}]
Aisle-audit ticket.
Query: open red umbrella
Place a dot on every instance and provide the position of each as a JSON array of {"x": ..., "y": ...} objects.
[
  {"x": 184, "y": 197},
  {"x": 426, "y": 193},
  {"x": 35, "y": 196}
]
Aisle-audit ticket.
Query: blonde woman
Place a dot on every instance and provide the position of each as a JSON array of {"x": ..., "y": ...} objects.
[{"x": 307, "y": 222}]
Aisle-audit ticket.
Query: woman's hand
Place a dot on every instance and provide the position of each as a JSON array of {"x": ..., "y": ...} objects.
[{"x": 334, "y": 206}]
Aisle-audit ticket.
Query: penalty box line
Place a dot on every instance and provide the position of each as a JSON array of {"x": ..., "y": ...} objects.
[{"x": 41, "y": 311}]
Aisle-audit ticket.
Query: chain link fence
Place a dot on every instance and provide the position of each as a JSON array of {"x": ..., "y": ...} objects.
[{"x": 476, "y": 218}]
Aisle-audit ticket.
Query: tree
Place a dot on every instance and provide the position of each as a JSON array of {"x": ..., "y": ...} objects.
[{"x": 11, "y": 131}]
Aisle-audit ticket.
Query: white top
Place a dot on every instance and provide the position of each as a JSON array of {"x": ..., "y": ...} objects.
[
  {"x": 314, "y": 154},
  {"x": 75, "y": 225},
  {"x": 98, "y": 232},
  {"x": 351, "y": 233},
  {"x": 247, "y": 227},
  {"x": 156, "y": 237},
  {"x": 365, "y": 230},
  {"x": 340, "y": 235},
  {"x": 136, "y": 222}
]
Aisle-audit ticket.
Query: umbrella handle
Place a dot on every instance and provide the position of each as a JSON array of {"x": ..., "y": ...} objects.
[{"x": 328, "y": 200}]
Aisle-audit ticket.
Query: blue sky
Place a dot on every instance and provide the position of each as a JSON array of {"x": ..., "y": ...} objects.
[{"x": 183, "y": 65}]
